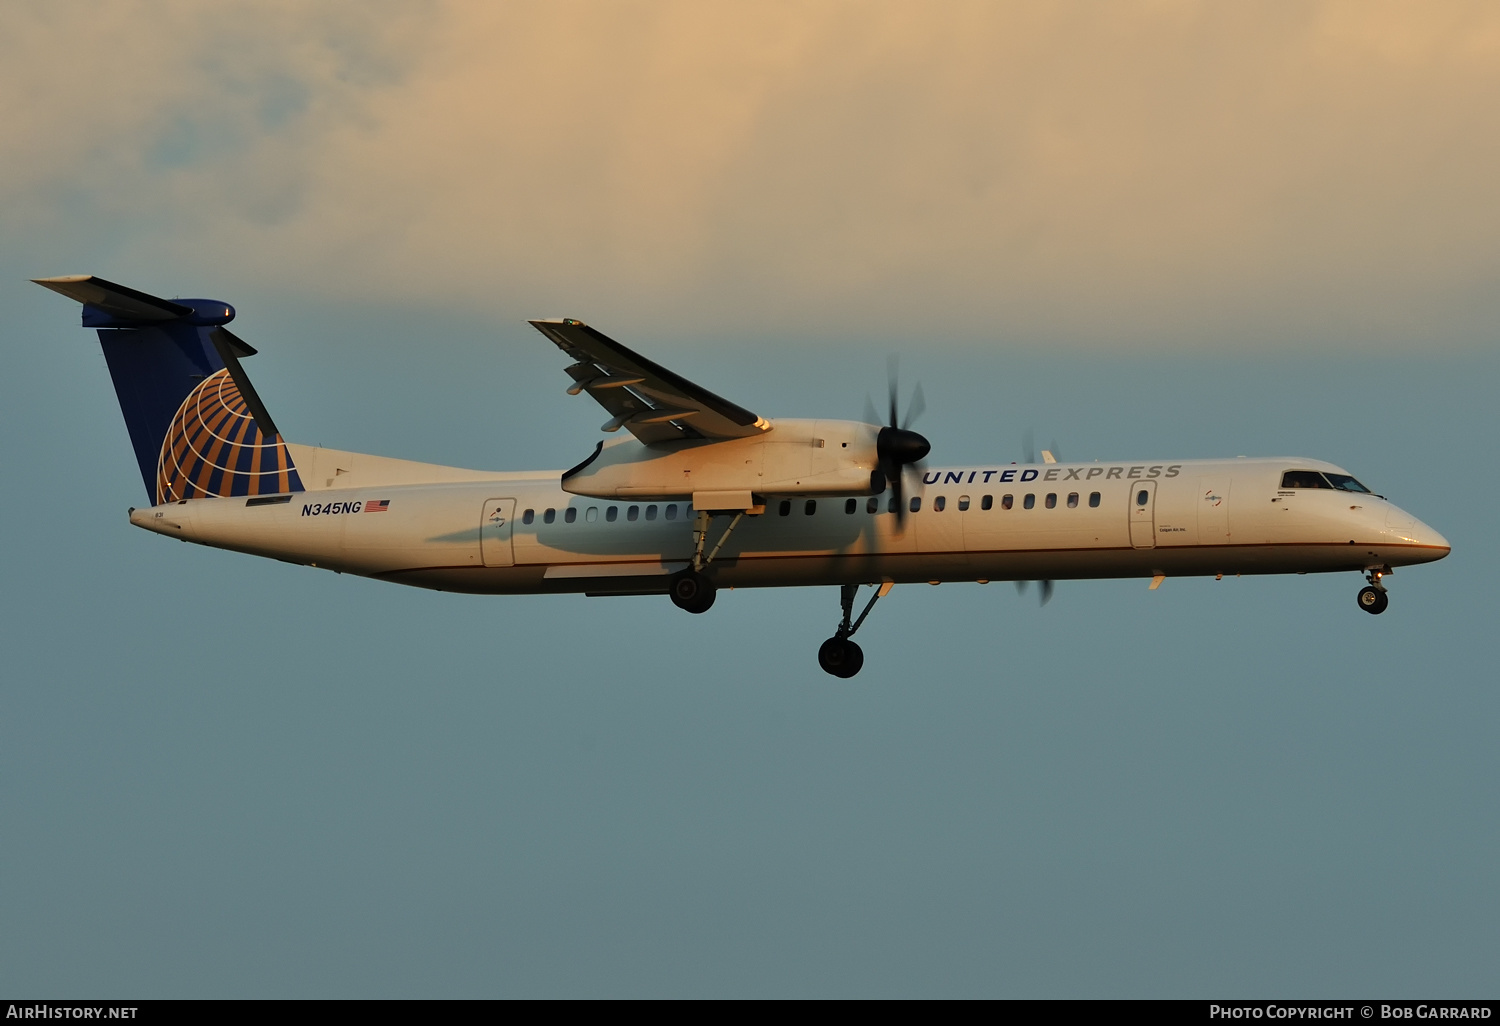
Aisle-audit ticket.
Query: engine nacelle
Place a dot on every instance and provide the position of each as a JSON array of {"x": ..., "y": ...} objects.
[{"x": 794, "y": 457}]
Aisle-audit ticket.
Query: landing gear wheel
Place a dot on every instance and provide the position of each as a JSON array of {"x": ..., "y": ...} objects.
[
  {"x": 692, "y": 591},
  {"x": 840, "y": 657},
  {"x": 1373, "y": 600}
]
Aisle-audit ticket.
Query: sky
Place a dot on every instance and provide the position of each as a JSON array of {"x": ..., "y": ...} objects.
[{"x": 1149, "y": 230}]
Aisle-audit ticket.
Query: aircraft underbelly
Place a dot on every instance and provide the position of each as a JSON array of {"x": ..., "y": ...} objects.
[{"x": 785, "y": 570}]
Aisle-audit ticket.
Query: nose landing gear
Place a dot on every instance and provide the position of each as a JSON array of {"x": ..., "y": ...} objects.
[
  {"x": 1373, "y": 599},
  {"x": 839, "y": 655}
]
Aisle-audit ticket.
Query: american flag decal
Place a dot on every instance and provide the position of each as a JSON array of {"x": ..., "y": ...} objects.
[{"x": 377, "y": 505}]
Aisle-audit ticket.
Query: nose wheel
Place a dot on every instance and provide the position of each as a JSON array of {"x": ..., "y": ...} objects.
[
  {"x": 1373, "y": 598},
  {"x": 839, "y": 655}
]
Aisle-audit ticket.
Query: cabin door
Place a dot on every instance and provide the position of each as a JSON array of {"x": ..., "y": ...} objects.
[
  {"x": 1143, "y": 514},
  {"x": 494, "y": 532},
  {"x": 1213, "y": 510}
]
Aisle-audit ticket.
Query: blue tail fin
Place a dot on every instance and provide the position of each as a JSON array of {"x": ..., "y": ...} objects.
[{"x": 197, "y": 426}]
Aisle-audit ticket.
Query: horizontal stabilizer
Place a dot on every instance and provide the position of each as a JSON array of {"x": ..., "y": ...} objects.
[
  {"x": 116, "y": 300},
  {"x": 107, "y": 305}
]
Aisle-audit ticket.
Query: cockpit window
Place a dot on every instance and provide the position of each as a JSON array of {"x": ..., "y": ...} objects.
[
  {"x": 1345, "y": 483},
  {"x": 1304, "y": 479}
]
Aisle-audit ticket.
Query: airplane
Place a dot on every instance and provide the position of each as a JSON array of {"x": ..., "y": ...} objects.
[{"x": 701, "y": 494}]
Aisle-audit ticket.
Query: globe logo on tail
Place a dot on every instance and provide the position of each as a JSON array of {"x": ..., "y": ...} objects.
[{"x": 213, "y": 448}]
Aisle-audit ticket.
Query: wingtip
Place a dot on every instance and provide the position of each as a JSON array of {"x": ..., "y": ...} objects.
[{"x": 63, "y": 279}]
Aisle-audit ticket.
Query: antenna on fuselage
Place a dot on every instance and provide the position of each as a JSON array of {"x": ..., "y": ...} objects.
[{"x": 1028, "y": 443}]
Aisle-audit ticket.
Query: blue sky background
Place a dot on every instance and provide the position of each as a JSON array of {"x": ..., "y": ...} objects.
[{"x": 222, "y": 776}]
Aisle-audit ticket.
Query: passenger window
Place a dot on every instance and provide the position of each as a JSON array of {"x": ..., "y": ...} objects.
[
  {"x": 671, "y": 511},
  {"x": 850, "y": 505},
  {"x": 1029, "y": 502},
  {"x": 528, "y": 516},
  {"x": 1094, "y": 500},
  {"x": 785, "y": 508},
  {"x": 570, "y": 514},
  {"x": 612, "y": 514},
  {"x": 872, "y": 504},
  {"x": 1142, "y": 497},
  {"x": 1007, "y": 501},
  {"x": 650, "y": 512},
  {"x": 549, "y": 516},
  {"x": 940, "y": 503},
  {"x": 916, "y": 504},
  {"x": 592, "y": 515},
  {"x": 892, "y": 505},
  {"x": 633, "y": 513},
  {"x": 1051, "y": 500},
  {"x": 988, "y": 502},
  {"x": 963, "y": 503},
  {"x": 1072, "y": 500},
  {"x": 1304, "y": 479},
  {"x": 1345, "y": 483},
  {"x": 810, "y": 508}
]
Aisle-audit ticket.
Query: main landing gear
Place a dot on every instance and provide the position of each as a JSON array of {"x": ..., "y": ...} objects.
[
  {"x": 1373, "y": 599},
  {"x": 839, "y": 655},
  {"x": 692, "y": 589}
]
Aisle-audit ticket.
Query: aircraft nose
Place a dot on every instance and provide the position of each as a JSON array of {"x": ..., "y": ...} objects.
[
  {"x": 1427, "y": 536},
  {"x": 1402, "y": 527}
]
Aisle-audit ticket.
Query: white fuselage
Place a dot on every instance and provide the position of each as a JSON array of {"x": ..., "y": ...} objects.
[{"x": 511, "y": 533}]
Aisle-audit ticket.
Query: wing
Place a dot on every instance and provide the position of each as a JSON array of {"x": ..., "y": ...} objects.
[{"x": 650, "y": 401}]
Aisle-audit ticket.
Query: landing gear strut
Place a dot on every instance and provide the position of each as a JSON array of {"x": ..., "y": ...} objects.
[
  {"x": 839, "y": 655},
  {"x": 692, "y": 589},
  {"x": 1373, "y": 599}
]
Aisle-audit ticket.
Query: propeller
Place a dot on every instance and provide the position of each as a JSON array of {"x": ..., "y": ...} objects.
[
  {"x": 897, "y": 446},
  {"x": 1044, "y": 590}
]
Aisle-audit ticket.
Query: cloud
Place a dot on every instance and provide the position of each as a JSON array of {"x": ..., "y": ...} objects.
[
  {"x": 1155, "y": 174},
  {"x": 156, "y": 122}
]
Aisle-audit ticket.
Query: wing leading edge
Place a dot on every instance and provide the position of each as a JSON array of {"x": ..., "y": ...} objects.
[{"x": 643, "y": 397}]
